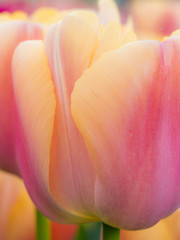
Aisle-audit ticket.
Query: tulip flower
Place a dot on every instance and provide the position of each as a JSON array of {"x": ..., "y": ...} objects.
[
  {"x": 54, "y": 160},
  {"x": 155, "y": 19},
  {"x": 12, "y": 33}
]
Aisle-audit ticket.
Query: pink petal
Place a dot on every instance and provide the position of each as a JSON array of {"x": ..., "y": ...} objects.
[{"x": 126, "y": 106}]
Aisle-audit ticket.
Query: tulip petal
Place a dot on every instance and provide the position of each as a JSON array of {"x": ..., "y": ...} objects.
[
  {"x": 35, "y": 103},
  {"x": 126, "y": 107},
  {"x": 88, "y": 17},
  {"x": 69, "y": 47},
  {"x": 12, "y": 33},
  {"x": 110, "y": 39},
  {"x": 108, "y": 11}
]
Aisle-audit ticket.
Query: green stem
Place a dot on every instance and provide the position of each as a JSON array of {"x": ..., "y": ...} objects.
[
  {"x": 42, "y": 227},
  {"x": 110, "y": 233},
  {"x": 81, "y": 233}
]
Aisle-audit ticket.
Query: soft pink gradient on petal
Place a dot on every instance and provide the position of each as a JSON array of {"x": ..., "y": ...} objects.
[
  {"x": 12, "y": 33},
  {"x": 126, "y": 106}
]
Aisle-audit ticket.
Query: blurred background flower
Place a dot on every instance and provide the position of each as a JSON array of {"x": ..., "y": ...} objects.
[
  {"x": 152, "y": 19},
  {"x": 16, "y": 210},
  {"x": 155, "y": 19},
  {"x": 17, "y": 213}
]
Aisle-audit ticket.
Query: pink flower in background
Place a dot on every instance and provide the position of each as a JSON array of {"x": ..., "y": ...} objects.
[
  {"x": 12, "y": 33},
  {"x": 11, "y": 6},
  {"x": 31, "y": 5},
  {"x": 155, "y": 19}
]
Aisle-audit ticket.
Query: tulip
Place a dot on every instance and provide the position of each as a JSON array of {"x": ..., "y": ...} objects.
[
  {"x": 12, "y": 33},
  {"x": 54, "y": 160},
  {"x": 155, "y": 19}
]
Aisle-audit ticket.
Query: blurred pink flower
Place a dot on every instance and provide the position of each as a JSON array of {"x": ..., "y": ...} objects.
[
  {"x": 155, "y": 19},
  {"x": 12, "y": 33}
]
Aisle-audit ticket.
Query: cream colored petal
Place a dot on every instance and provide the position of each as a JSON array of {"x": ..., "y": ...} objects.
[
  {"x": 35, "y": 105},
  {"x": 69, "y": 46},
  {"x": 108, "y": 11}
]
